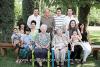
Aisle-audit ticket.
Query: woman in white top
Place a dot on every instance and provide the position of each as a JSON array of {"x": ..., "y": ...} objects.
[{"x": 60, "y": 43}]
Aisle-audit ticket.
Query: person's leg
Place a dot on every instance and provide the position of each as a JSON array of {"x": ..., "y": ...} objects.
[
  {"x": 63, "y": 55},
  {"x": 87, "y": 51},
  {"x": 57, "y": 55}
]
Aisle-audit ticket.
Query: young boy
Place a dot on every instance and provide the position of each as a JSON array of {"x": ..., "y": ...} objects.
[
  {"x": 16, "y": 41},
  {"x": 26, "y": 45}
]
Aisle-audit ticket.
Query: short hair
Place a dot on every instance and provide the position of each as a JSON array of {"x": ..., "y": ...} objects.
[
  {"x": 36, "y": 9},
  {"x": 33, "y": 21},
  {"x": 27, "y": 29},
  {"x": 44, "y": 25},
  {"x": 70, "y": 8},
  {"x": 59, "y": 8}
]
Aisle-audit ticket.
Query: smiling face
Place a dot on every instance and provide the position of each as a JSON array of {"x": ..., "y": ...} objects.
[
  {"x": 59, "y": 32},
  {"x": 15, "y": 30},
  {"x": 22, "y": 26},
  {"x": 58, "y": 12},
  {"x": 69, "y": 12},
  {"x": 47, "y": 12},
  {"x": 33, "y": 25},
  {"x": 43, "y": 28},
  {"x": 36, "y": 12},
  {"x": 73, "y": 24},
  {"x": 74, "y": 33},
  {"x": 82, "y": 26}
]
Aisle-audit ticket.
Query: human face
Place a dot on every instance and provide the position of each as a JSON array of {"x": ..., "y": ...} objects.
[
  {"x": 27, "y": 32},
  {"x": 36, "y": 12},
  {"x": 22, "y": 26},
  {"x": 73, "y": 24},
  {"x": 33, "y": 25},
  {"x": 69, "y": 12},
  {"x": 82, "y": 26},
  {"x": 59, "y": 32},
  {"x": 74, "y": 33},
  {"x": 58, "y": 12},
  {"x": 43, "y": 29},
  {"x": 47, "y": 12},
  {"x": 15, "y": 30}
]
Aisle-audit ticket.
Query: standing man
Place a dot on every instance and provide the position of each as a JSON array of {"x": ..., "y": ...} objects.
[
  {"x": 48, "y": 20},
  {"x": 70, "y": 17},
  {"x": 35, "y": 16},
  {"x": 59, "y": 19}
]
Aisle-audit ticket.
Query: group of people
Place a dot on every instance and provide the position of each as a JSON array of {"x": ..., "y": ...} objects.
[{"x": 61, "y": 32}]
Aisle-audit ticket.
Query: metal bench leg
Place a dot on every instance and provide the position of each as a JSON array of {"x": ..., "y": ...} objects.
[
  {"x": 48, "y": 62},
  {"x": 33, "y": 60},
  {"x": 95, "y": 54},
  {"x": 68, "y": 58},
  {"x": 52, "y": 57}
]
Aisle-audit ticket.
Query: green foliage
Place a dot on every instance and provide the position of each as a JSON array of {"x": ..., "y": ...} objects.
[
  {"x": 18, "y": 10},
  {"x": 28, "y": 6},
  {"x": 6, "y": 19},
  {"x": 94, "y": 16}
]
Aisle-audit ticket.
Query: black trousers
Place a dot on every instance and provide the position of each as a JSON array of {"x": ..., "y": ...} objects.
[{"x": 76, "y": 54}]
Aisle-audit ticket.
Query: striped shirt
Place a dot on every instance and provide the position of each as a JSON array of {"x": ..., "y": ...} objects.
[{"x": 59, "y": 21}]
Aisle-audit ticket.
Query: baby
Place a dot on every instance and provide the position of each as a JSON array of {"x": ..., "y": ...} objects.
[{"x": 75, "y": 40}]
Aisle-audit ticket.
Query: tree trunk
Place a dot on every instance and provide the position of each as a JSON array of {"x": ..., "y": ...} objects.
[{"x": 83, "y": 13}]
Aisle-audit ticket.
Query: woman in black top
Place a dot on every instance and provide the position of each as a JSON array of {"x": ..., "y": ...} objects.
[{"x": 86, "y": 45}]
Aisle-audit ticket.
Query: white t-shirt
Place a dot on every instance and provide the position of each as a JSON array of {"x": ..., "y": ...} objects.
[
  {"x": 68, "y": 19},
  {"x": 36, "y": 18}
]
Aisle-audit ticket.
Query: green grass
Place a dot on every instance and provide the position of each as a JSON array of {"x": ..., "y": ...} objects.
[
  {"x": 94, "y": 36},
  {"x": 9, "y": 61}
]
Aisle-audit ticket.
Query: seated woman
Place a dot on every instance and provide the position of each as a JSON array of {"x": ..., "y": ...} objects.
[
  {"x": 86, "y": 45},
  {"x": 42, "y": 44},
  {"x": 34, "y": 32},
  {"x": 60, "y": 43},
  {"x": 76, "y": 54}
]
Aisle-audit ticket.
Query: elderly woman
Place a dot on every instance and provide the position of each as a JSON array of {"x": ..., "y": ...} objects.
[
  {"x": 60, "y": 43},
  {"x": 42, "y": 44}
]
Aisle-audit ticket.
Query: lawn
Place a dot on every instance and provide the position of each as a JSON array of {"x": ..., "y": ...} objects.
[{"x": 9, "y": 59}]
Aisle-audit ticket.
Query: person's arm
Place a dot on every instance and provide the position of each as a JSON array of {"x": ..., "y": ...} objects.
[
  {"x": 49, "y": 40},
  {"x": 12, "y": 39},
  {"x": 79, "y": 33},
  {"x": 37, "y": 43}
]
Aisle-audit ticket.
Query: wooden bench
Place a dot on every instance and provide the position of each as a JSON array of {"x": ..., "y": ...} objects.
[
  {"x": 3, "y": 48},
  {"x": 95, "y": 49}
]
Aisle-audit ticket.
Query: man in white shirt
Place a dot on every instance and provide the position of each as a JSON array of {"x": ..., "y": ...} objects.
[
  {"x": 35, "y": 16},
  {"x": 70, "y": 17},
  {"x": 59, "y": 19}
]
